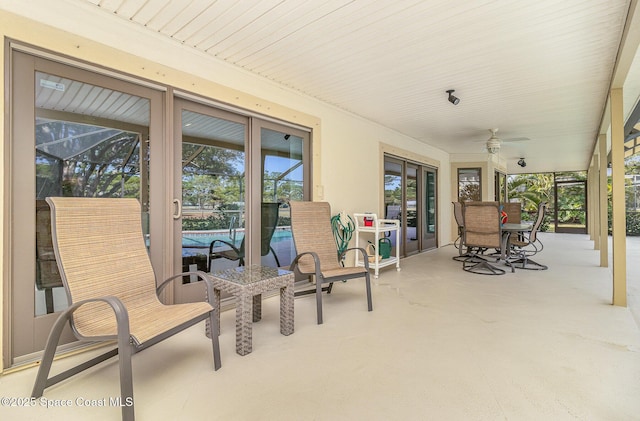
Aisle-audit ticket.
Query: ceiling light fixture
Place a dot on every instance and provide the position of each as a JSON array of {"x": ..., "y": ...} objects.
[
  {"x": 453, "y": 99},
  {"x": 493, "y": 143},
  {"x": 493, "y": 146},
  {"x": 522, "y": 163}
]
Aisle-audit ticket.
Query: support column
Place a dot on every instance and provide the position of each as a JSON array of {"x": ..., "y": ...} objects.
[
  {"x": 593, "y": 209},
  {"x": 603, "y": 201},
  {"x": 619, "y": 225}
]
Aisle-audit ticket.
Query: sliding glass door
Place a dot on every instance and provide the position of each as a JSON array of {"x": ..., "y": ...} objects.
[
  {"x": 410, "y": 196},
  {"x": 234, "y": 178},
  {"x": 74, "y": 134},
  {"x": 220, "y": 175},
  {"x": 284, "y": 174},
  {"x": 209, "y": 189}
]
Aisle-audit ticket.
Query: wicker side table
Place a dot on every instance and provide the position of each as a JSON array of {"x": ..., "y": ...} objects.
[{"x": 247, "y": 283}]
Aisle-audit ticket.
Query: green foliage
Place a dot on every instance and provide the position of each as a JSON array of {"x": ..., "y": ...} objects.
[
  {"x": 211, "y": 222},
  {"x": 633, "y": 223},
  {"x": 531, "y": 189}
]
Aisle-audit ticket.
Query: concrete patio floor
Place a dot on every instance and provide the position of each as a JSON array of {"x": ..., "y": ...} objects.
[{"x": 440, "y": 344}]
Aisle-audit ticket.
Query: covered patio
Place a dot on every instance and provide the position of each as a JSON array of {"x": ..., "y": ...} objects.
[
  {"x": 440, "y": 344},
  {"x": 360, "y": 87}
]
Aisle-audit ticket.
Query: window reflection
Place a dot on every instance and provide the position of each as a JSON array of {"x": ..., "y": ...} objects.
[
  {"x": 89, "y": 142},
  {"x": 469, "y": 185}
]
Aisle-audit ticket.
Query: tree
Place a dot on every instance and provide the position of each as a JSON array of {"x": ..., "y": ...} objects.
[{"x": 531, "y": 189}]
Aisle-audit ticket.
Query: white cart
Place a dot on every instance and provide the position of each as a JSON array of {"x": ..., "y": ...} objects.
[{"x": 377, "y": 227}]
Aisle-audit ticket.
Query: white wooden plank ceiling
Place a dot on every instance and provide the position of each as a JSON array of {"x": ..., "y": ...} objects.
[{"x": 536, "y": 69}]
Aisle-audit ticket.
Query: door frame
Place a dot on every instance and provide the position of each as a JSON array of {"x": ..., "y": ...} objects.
[
  {"x": 25, "y": 333},
  {"x": 571, "y": 230}
]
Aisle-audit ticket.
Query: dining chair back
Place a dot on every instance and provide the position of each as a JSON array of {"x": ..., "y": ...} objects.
[
  {"x": 533, "y": 237},
  {"x": 514, "y": 212},
  {"x": 458, "y": 214},
  {"x": 529, "y": 244},
  {"x": 481, "y": 231}
]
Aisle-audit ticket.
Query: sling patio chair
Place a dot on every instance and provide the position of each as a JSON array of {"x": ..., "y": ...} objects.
[
  {"x": 481, "y": 231},
  {"x": 317, "y": 252},
  {"x": 528, "y": 244},
  {"x": 111, "y": 287},
  {"x": 269, "y": 221}
]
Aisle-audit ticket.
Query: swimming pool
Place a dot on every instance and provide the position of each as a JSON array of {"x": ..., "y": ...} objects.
[{"x": 202, "y": 239}]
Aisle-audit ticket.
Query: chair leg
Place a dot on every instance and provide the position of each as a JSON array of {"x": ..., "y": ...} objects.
[
  {"x": 481, "y": 268},
  {"x": 125, "y": 350},
  {"x": 528, "y": 264},
  {"x": 215, "y": 340},
  {"x": 126, "y": 381},
  {"x": 319, "y": 299},
  {"x": 368, "y": 283},
  {"x": 47, "y": 358}
]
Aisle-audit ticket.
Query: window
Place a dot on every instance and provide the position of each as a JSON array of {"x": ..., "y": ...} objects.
[{"x": 469, "y": 187}]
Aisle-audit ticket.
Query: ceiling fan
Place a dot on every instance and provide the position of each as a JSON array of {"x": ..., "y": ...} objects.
[{"x": 494, "y": 143}]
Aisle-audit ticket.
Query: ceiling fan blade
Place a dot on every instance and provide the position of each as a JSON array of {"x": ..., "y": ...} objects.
[{"x": 516, "y": 139}]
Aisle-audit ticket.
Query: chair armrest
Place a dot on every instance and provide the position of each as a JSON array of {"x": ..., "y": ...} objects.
[
  {"x": 200, "y": 274},
  {"x": 313, "y": 254},
  {"x": 316, "y": 261},
  {"x": 365, "y": 256},
  {"x": 119, "y": 309}
]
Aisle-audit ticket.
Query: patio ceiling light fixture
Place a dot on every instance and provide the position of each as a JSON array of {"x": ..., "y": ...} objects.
[
  {"x": 522, "y": 163},
  {"x": 453, "y": 99}
]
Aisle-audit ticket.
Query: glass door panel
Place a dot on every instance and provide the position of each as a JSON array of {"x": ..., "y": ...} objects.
[
  {"x": 393, "y": 196},
  {"x": 75, "y": 134},
  {"x": 212, "y": 175},
  {"x": 77, "y": 156},
  {"x": 429, "y": 239},
  {"x": 411, "y": 205},
  {"x": 282, "y": 180}
]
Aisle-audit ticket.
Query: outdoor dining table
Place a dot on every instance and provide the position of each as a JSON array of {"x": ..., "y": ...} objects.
[{"x": 507, "y": 230}]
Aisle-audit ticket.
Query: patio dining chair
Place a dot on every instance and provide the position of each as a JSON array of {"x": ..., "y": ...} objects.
[
  {"x": 111, "y": 287},
  {"x": 458, "y": 214},
  {"x": 481, "y": 231},
  {"x": 269, "y": 221},
  {"x": 514, "y": 212},
  {"x": 528, "y": 244},
  {"x": 317, "y": 252},
  {"x": 459, "y": 218}
]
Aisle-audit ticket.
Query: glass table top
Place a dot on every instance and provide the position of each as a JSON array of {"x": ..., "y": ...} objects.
[{"x": 245, "y": 275}]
